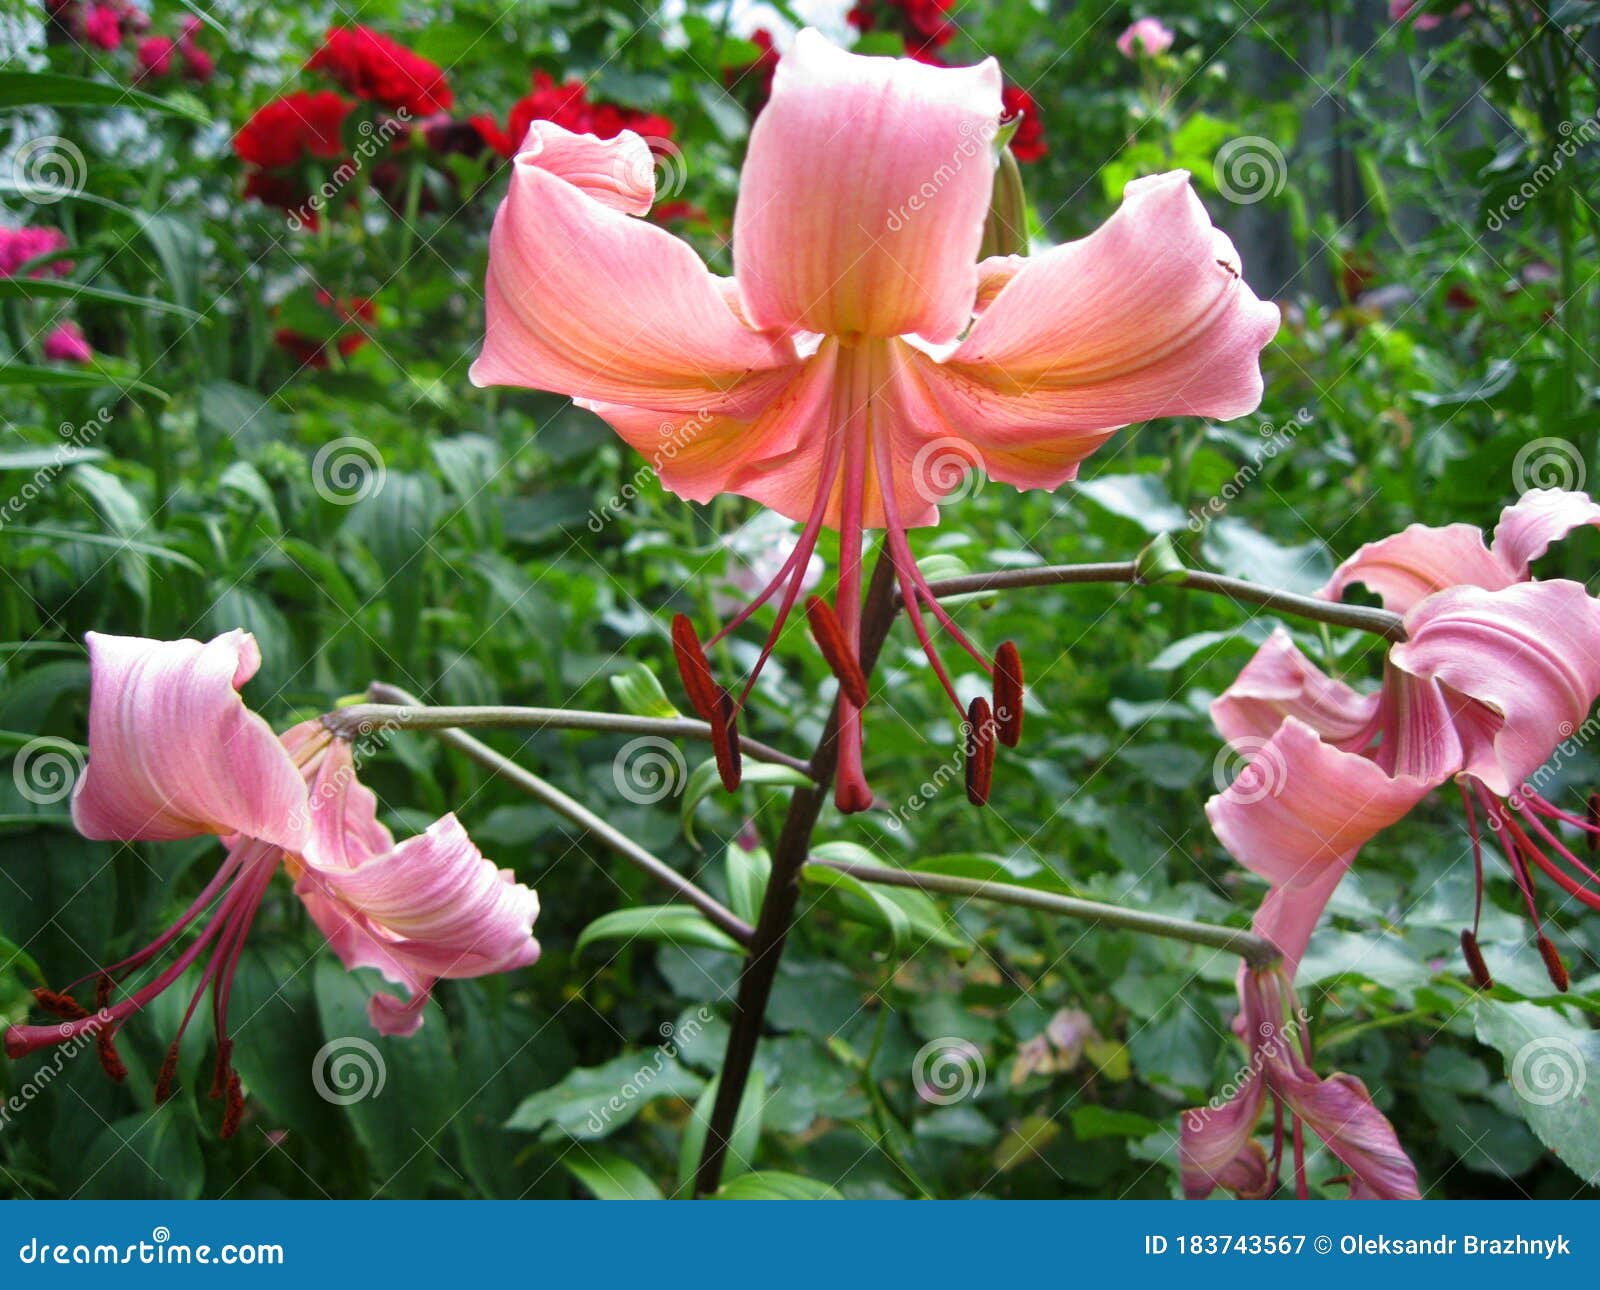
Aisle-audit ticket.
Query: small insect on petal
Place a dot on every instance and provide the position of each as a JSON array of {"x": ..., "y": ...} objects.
[
  {"x": 1553, "y": 964},
  {"x": 835, "y": 648},
  {"x": 1475, "y": 962},
  {"x": 694, "y": 668},
  {"x": 1008, "y": 693},
  {"x": 980, "y": 751},
  {"x": 725, "y": 741}
]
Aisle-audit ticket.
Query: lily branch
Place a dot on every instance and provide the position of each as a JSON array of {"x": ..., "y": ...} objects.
[
  {"x": 1254, "y": 950},
  {"x": 392, "y": 698},
  {"x": 1365, "y": 618},
  {"x": 362, "y": 718}
]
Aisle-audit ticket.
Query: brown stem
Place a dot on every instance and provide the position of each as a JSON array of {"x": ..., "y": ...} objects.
[
  {"x": 579, "y": 814},
  {"x": 1366, "y": 618},
  {"x": 782, "y": 894}
]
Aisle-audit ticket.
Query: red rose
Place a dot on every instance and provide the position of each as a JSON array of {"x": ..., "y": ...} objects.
[
  {"x": 1028, "y": 143},
  {"x": 297, "y": 125},
  {"x": 375, "y": 68}
]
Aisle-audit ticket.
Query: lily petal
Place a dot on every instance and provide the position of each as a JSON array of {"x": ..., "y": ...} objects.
[
  {"x": 1280, "y": 681},
  {"x": 1528, "y": 652},
  {"x": 174, "y": 752},
  {"x": 1538, "y": 518},
  {"x": 1303, "y": 808},
  {"x": 432, "y": 907},
  {"x": 1418, "y": 561},
  {"x": 864, "y": 194},
  {"x": 1216, "y": 1149},
  {"x": 1146, "y": 317},
  {"x": 587, "y": 301},
  {"x": 1339, "y": 1110}
]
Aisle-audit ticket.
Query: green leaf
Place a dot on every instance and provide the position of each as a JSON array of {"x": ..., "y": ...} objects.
[
  {"x": 147, "y": 1156},
  {"x": 1158, "y": 562},
  {"x": 56, "y": 289},
  {"x": 747, "y": 873},
  {"x": 677, "y": 924},
  {"x": 47, "y": 458},
  {"x": 742, "y": 1142},
  {"x": 1092, "y": 1122},
  {"x": 1553, "y": 1065},
  {"x": 1143, "y": 499},
  {"x": 773, "y": 1184},
  {"x": 32, "y": 376},
  {"x": 913, "y": 918},
  {"x": 51, "y": 89},
  {"x": 13, "y": 956},
  {"x": 703, "y": 781},
  {"x": 1239, "y": 550},
  {"x": 595, "y": 1101},
  {"x": 640, "y": 693},
  {"x": 610, "y": 1176}
]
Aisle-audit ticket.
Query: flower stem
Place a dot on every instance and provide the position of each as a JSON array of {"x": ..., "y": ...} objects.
[
  {"x": 362, "y": 719},
  {"x": 1363, "y": 617},
  {"x": 1255, "y": 950},
  {"x": 573, "y": 810}
]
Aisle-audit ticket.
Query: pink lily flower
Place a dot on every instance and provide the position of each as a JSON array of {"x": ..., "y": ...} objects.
[
  {"x": 860, "y": 359},
  {"x": 1497, "y": 669},
  {"x": 1217, "y": 1147},
  {"x": 174, "y": 753}
]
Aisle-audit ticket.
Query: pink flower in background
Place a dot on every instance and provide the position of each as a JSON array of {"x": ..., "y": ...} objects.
[
  {"x": 66, "y": 344},
  {"x": 154, "y": 54},
  {"x": 1149, "y": 37},
  {"x": 19, "y": 245},
  {"x": 1217, "y": 1146},
  {"x": 1497, "y": 669},
  {"x": 102, "y": 25},
  {"x": 174, "y": 753},
  {"x": 1400, "y": 10},
  {"x": 860, "y": 362}
]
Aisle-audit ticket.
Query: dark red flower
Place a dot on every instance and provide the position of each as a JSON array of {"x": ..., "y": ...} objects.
[
  {"x": 346, "y": 335},
  {"x": 756, "y": 75},
  {"x": 924, "y": 25},
  {"x": 154, "y": 55},
  {"x": 375, "y": 68},
  {"x": 567, "y": 105},
  {"x": 1028, "y": 143},
  {"x": 297, "y": 125}
]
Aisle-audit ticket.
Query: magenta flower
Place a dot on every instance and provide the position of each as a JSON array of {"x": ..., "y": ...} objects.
[
  {"x": 1217, "y": 1146},
  {"x": 19, "y": 245},
  {"x": 1149, "y": 37},
  {"x": 1496, "y": 670},
  {"x": 861, "y": 359},
  {"x": 66, "y": 344},
  {"x": 174, "y": 753}
]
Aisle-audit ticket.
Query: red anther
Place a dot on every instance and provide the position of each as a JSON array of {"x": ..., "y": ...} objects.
[
  {"x": 725, "y": 741},
  {"x": 102, "y": 992},
  {"x": 233, "y": 1109},
  {"x": 60, "y": 1005},
  {"x": 694, "y": 668},
  {"x": 1553, "y": 964},
  {"x": 980, "y": 751},
  {"x": 835, "y": 648},
  {"x": 223, "y": 1071},
  {"x": 169, "y": 1072},
  {"x": 105, "y": 1043},
  {"x": 1008, "y": 693},
  {"x": 1474, "y": 957}
]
